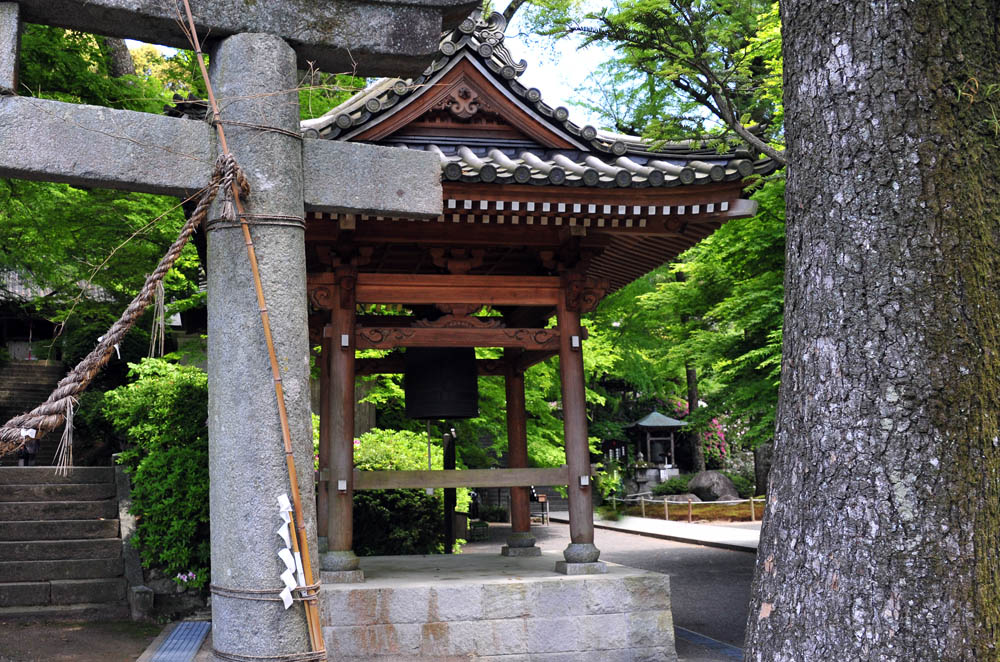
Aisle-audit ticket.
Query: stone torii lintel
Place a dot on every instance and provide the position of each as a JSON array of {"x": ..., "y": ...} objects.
[
  {"x": 123, "y": 149},
  {"x": 383, "y": 38}
]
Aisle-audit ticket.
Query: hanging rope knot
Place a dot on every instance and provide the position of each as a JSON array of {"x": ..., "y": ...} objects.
[{"x": 233, "y": 183}]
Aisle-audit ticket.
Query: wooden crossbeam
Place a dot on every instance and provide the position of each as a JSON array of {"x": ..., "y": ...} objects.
[
  {"x": 387, "y": 480},
  {"x": 392, "y": 337},
  {"x": 432, "y": 289},
  {"x": 395, "y": 365}
]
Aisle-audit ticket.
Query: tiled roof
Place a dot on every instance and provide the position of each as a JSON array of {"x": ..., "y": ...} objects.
[
  {"x": 602, "y": 159},
  {"x": 578, "y": 168}
]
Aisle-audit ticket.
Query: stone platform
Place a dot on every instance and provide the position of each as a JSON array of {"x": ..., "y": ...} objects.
[{"x": 497, "y": 609}]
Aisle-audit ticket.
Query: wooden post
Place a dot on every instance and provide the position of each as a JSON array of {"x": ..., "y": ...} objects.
[
  {"x": 449, "y": 495},
  {"x": 689, "y": 510},
  {"x": 642, "y": 505},
  {"x": 322, "y": 487},
  {"x": 341, "y": 485},
  {"x": 666, "y": 510},
  {"x": 753, "y": 514},
  {"x": 581, "y": 510},
  {"x": 517, "y": 441}
]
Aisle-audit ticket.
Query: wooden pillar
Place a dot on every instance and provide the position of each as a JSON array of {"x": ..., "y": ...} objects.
[
  {"x": 520, "y": 542},
  {"x": 322, "y": 487},
  {"x": 340, "y": 525},
  {"x": 581, "y": 549}
]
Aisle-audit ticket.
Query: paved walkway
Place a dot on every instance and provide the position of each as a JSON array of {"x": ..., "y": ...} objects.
[{"x": 740, "y": 539}]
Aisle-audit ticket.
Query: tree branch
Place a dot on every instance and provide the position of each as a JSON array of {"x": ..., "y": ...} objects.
[{"x": 512, "y": 8}]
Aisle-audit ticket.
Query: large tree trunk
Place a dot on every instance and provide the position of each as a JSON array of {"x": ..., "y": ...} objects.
[
  {"x": 120, "y": 62},
  {"x": 882, "y": 534},
  {"x": 697, "y": 450}
]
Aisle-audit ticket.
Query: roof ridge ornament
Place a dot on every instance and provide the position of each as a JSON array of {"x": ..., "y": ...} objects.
[{"x": 489, "y": 33}]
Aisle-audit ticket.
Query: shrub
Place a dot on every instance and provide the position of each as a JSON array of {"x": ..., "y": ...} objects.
[
  {"x": 162, "y": 415},
  {"x": 390, "y": 522},
  {"x": 744, "y": 486},
  {"x": 609, "y": 513},
  {"x": 398, "y": 521},
  {"x": 493, "y": 514},
  {"x": 675, "y": 485}
]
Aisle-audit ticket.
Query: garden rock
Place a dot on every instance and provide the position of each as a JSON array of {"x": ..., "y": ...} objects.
[{"x": 713, "y": 486}]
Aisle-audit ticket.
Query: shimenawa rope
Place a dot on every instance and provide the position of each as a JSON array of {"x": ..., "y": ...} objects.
[{"x": 55, "y": 410}]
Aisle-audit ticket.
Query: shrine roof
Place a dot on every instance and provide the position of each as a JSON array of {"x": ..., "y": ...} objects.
[{"x": 556, "y": 151}]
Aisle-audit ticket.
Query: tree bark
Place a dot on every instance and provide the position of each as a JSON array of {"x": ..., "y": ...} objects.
[
  {"x": 697, "y": 450},
  {"x": 120, "y": 61},
  {"x": 762, "y": 467},
  {"x": 880, "y": 540}
]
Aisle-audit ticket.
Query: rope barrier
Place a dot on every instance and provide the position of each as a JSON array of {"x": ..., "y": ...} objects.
[
  {"x": 267, "y": 594},
  {"x": 256, "y": 219},
  {"x": 258, "y": 127}
]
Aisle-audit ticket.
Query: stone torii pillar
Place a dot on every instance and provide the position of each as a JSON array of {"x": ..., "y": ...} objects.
[{"x": 253, "y": 70}]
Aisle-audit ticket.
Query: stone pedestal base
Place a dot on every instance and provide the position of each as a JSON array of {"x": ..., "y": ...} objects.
[
  {"x": 595, "y": 568},
  {"x": 497, "y": 609},
  {"x": 339, "y": 560},
  {"x": 342, "y": 577},
  {"x": 507, "y": 550}
]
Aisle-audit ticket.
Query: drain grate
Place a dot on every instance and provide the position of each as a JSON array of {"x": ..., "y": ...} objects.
[{"x": 183, "y": 643}]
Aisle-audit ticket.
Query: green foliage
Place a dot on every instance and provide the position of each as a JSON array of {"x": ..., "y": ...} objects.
[
  {"x": 87, "y": 249},
  {"x": 675, "y": 485},
  {"x": 390, "y": 522},
  {"x": 744, "y": 486},
  {"x": 162, "y": 415},
  {"x": 682, "y": 69},
  {"x": 609, "y": 513},
  {"x": 399, "y": 521},
  {"x": 73, "y": 66},
  {"x": 319, "y": 92},
  {"x": 608, "y": 480}
]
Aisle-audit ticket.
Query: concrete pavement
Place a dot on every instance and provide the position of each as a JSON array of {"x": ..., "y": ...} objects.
[{"x": 739, "y": 539}]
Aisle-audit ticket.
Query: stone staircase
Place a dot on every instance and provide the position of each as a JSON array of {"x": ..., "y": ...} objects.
[
  {"x": 60, "y": 550},
  {"x": 23, "y": 386}
]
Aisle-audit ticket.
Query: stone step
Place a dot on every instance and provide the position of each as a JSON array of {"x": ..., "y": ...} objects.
[
  {"x": 101, "y": 611},
  {"x": 36, "y": 475},
  {"x": 28, "y": 571},
  {"x": 21, "y": 511},
  {"x": 53, "y": 550},
  {"x": 24, "y": 594},
  {"x": 58, "y": 492},
  {"x": 83, "y": 591},
  {"x": 59, "y": 529}
]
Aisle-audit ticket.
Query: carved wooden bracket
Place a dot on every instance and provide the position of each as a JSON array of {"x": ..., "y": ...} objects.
[
  {"x": 582, "y": 293},
  {"x": 457, "y": 260},
  {"x": 323, "y": 288}
]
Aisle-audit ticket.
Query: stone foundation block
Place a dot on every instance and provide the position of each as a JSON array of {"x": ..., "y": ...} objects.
[
  {"x": 567, "y": 568},
  {"x": 343, "y": 576},
  {"x": 500, "y": 609},
  {"x": 507, "y": 550}
]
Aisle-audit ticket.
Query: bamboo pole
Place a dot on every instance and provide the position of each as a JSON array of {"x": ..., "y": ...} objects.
[{"x": 299, "y": 539}]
